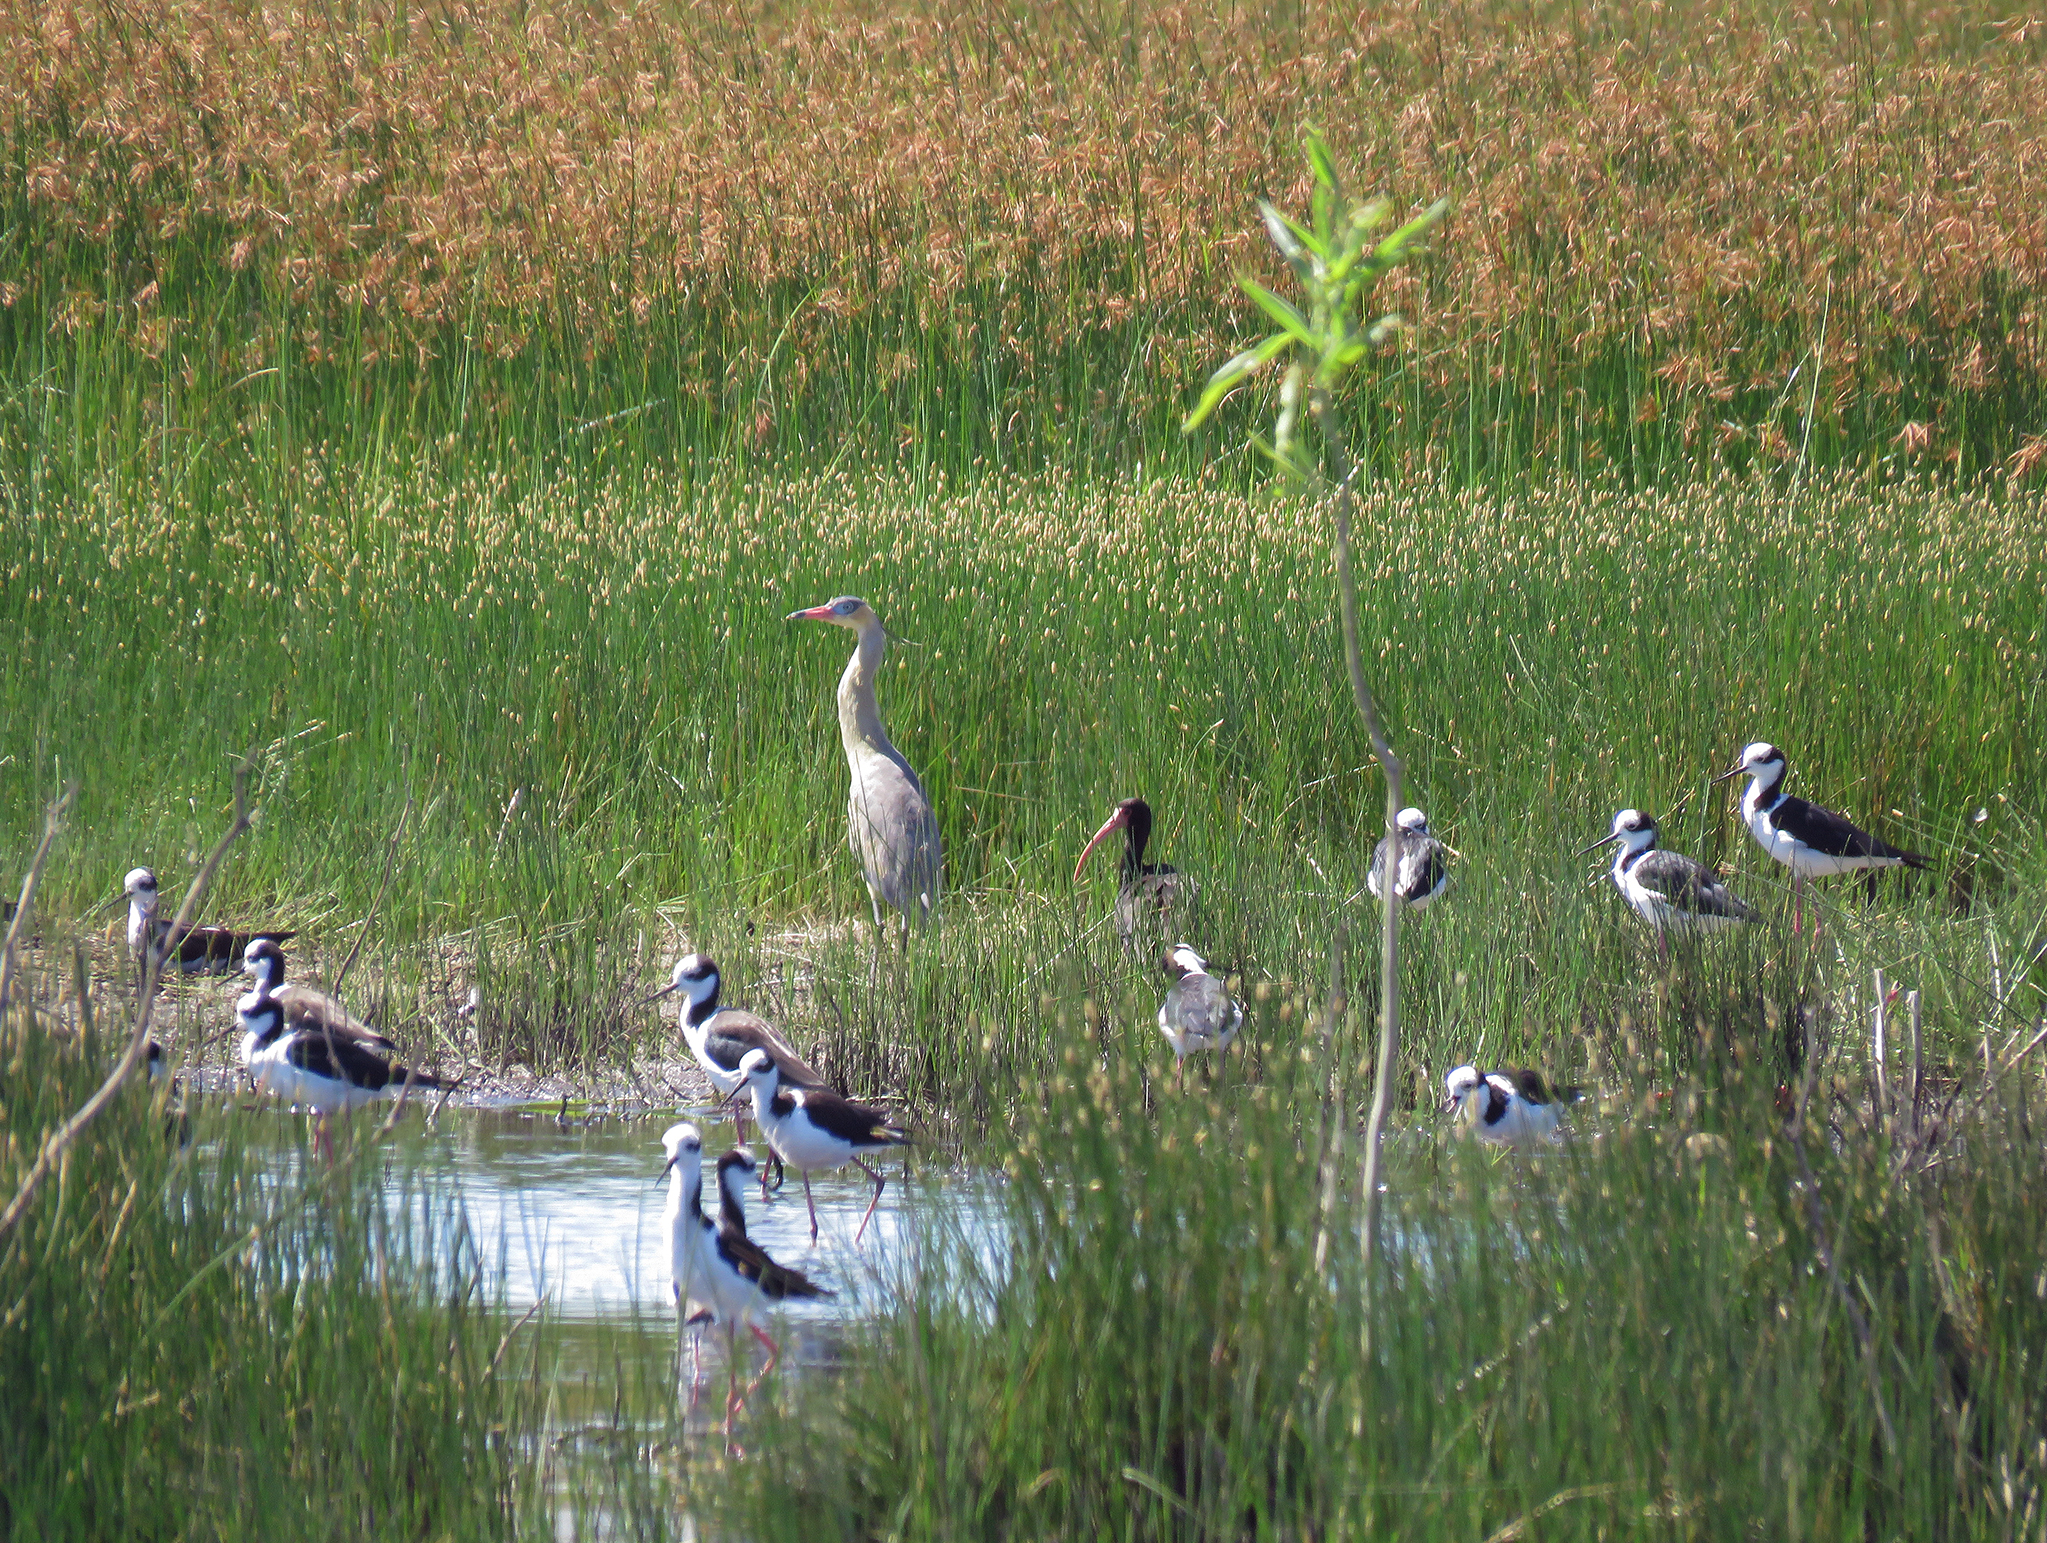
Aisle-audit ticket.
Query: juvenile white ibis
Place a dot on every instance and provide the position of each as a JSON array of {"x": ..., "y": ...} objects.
[
  {"x": 1198, "y": 1012},
  {"x": 1419, "y": 872},
  {"x": 195, "y": 951},
  {"x": 325, "y": 1065},
  {"x": 1811, "y": 841},
  {"x": 814, "y": 1130},
  {"x": 1152, "y": 895},
  {"x": 889, "y": 823},
  {"x": 1669, "y": 891},
  {"x": 1513, "y": 1107}
]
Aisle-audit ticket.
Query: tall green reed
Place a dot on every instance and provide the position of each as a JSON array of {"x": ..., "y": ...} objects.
[
  {"x": 205, "y": 1336},
  {"x": 616, "y": 748}
]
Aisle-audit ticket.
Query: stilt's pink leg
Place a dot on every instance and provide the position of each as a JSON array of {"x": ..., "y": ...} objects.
[
  {"x": 812, "y": 1204},
  {"x": 874, "y": 1201}
]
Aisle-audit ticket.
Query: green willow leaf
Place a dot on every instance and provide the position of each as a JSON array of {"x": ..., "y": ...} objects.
[{"x": 1283, "y": 312}]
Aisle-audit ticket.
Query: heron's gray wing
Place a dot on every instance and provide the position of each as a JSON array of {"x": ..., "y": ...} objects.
[{"x": 894, "y": 835}]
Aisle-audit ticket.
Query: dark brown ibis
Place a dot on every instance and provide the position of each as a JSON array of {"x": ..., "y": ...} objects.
[{"x": 1152, "y": 895}]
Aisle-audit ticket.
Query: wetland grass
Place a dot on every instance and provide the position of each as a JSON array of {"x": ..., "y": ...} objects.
[
  {"x": 615, "y": 748},
  {"x": 198, "y": 1342},
  {"x": 1755, "y": 234}
]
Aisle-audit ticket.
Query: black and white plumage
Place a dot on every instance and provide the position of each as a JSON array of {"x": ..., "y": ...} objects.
[
  {"x": 1422, "y": 868},
  {"x": 306, "y": 1006},
  {"x": 1512, "y": 1107},
  {"x": 195, "y": 951},
  {"x": 889, "y": 823},
  {"x": 720, "y": 1037},
  {"x": 1152, "y": 895},
  {"x": 1813, "y": 842},
  {"x": 814, "y": 1130},
  {"x": 1198, "y": 1012},
  {"x": 1669, "y": 891},
  {"x": 739, "y": 1254},
  {"x": 718, "y": 1267},
  {"x": 1810, "y": 840},
  {"x": 314, "y": 1059}
]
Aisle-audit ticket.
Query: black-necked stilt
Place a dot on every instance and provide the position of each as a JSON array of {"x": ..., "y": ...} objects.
[
  {"x": 177, "y": 1121},
  {"x": 814, "y": 1130},
  {"x": 750, "y": 1275},
  {"x": 1669, "y": 891},
  {"x": 720, "y": 1037},
  {"x": 890, "y": 826},
  {"x": 1421, "y": 871},
  {"x": 195, "y": 951},
  {"x": 688, "y": 1233},
  {"x": 306, "y": 1007},
  {"x": 1513, "y": 1107},
  {"x": 312, "y": 1060},
  {"x": 1812, "y": 841},
  {"x": 1198, "y": 1012},
  {"x": 1152, "y": 895}
]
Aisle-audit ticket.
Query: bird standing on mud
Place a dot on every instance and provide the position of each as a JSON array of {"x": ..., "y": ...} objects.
[
  {"x": 195, "y": 951},
  {"x": 890, "y": 826}
]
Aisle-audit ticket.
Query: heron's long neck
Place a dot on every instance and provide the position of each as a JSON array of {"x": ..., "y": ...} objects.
[{"x": 859, "y": 719}]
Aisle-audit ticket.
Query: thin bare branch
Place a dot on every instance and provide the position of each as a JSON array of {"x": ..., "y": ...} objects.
[
  {"x": 59, "y": 1141},
  {"x": 1337, "y": 449},
  {"x": 53, "y": 825}
]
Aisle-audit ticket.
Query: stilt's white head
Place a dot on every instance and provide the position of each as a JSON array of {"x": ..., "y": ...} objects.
[
  {"x": 264, "y": 960},
  {"x": 1413, "y": 821},
  {"x": 140, "y": 887},
  {"x": 761, "y": 1073},
  {"x": 1460, "y": 1086},
  {"x": 1634, "y": 830},
  {"x": 1182, "y": 960},
  {"x": 684, "y": 1147},
  {"x": 734, "y": 1169},
  {"x": 1762, "y": 761}
]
